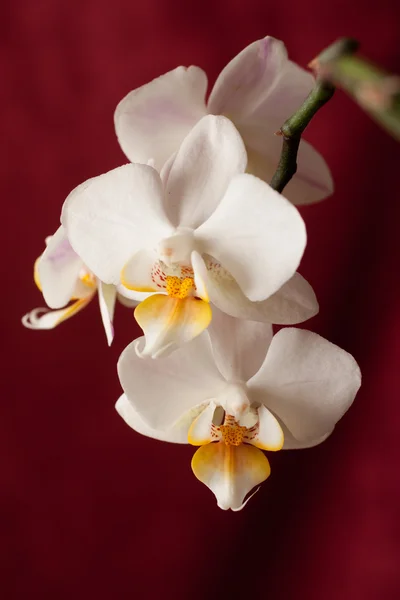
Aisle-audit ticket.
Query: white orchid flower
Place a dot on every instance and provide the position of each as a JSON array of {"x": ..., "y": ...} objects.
[
  {"x": 258, "y": 90},
  {"x": 236, "y": 391},
  {"x": 68, "y": 286},
  {"x": 204, "y": 232}
]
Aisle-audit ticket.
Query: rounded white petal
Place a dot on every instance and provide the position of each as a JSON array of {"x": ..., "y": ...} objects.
[
  {"x": 58, "y": 270},
  {"x": 152, "y": 121},
  {"x": 169, "y": 323},
  {"x": 307, "y": 382},
  {"x": 278, "y": 103},
  {"x": 239, "y": 345},
  {"x": 230, "y": 472},
  {"x": 256, "y": 235},
  {"x": 248, "y": 79},
  {"x": 162, "y": 390},
  {"x": 107, "y": 297},
  {"x": 211, "y": 154},
  {"x": 110, "y": 217},
  {"x": 294, "y": 302},
  {"x": 177, "y": 433}
]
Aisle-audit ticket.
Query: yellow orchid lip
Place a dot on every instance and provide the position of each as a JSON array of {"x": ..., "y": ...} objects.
[{"x": 168, "y": 321}]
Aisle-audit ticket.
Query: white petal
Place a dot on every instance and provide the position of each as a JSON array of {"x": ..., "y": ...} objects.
[
  {"x": 256, "y": 234},
  {"x": 230, "y": 472},
  {"x": 162, "y": 390},
  {"x": 152, "y": 121},
  {"x": 58, "y": 270},
  {"x": 270, "y": 434},
  {"x": 43, "y": 318},
  {"x": 136, "y": 274},
  {"x": 307, "y": 382},
  {"x": 248, "y": 79},
  {"x": 178, "y": 433},
  {"x": 313, "y": 179},
  {"x": 107, "y": 296},
  {"x": 110, "y": 217},
  {"x": 293, "y": 303},
  {"x": 130, "y": 298},
  {"x": 208, "y": 158},
  {"x": 278, "y": 103},
  {"x": 200, "y": 431},
  {"x": 169, "y": 323},
  {"x": 239, "y": 345},
  {"x": 291, "y": 443}
]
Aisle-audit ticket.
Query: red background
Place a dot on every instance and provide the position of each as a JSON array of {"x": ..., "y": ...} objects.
[{"x": 91, "y": 509}]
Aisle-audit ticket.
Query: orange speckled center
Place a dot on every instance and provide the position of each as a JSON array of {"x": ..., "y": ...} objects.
[
  {"x": 232, "y": 433},
  {"x": 179, "y": 288}
]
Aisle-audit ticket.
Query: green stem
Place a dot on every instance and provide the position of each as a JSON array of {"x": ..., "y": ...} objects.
[{"x": 292, "y": 130}]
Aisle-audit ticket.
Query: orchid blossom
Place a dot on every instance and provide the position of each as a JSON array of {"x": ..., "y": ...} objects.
[
  {"x": 236, "y": 391},
  {"x": 205, "y": 231},
  {"x": 68, "y": 286},
  {"x": 258, "y": 90}
]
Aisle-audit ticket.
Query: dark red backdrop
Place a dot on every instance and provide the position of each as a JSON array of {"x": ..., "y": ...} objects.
[{"x": 89, "y": 508}]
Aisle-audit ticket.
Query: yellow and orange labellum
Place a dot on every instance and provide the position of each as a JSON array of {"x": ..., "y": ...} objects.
[
  {"x": 230, "y": 471},
  {"x": 166, "y": 320}
]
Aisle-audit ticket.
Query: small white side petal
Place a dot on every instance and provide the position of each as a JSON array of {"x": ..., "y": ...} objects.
[
  {"x": 107, "y": 296},
  {"x": 239, "y": 345},
  {"x": 270, "y": 433},
  {"x": 161, "y": 391},
  {"x": 200, "y": 430},
  {"x": 110, "y": 217},
  {"x": 131, "y": 298},
  {"x": 152, "y": 121},
  {"x": 256, "y": 234},
  {"x": 230, "y": 472},
  {"x": 307, "y": 382},
  {"x": 177, "y": 433},
  {"x": 43, "y": 318},
  {"x": 211, "y": 154},
  {"x": 58, "y": 270},
  {"x": 136, "y": 273}
]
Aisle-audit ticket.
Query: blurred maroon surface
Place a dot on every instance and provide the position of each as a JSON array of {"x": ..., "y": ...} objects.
[{"x": 89, "y": 508}]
